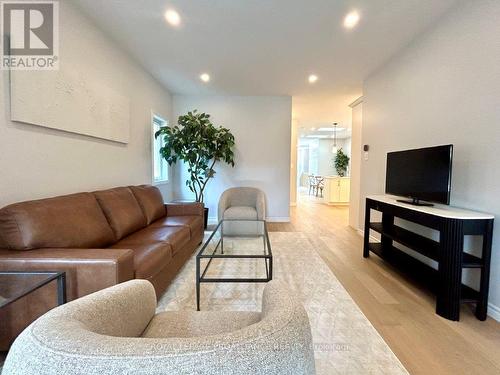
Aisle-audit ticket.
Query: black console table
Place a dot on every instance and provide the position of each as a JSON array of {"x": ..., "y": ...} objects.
[{"x": 452, "y": 224}]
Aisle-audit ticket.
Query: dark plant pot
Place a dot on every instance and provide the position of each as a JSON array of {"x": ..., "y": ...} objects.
[{"x": 206, "y": 218}]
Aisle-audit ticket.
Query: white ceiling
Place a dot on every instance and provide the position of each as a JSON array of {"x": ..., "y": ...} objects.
[{"x": 264, "y": 47}]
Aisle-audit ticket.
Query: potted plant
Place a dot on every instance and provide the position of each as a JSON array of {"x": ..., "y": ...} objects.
[
  {"x": 200, "y": 144},
  {"x": 341, "y": 162}
]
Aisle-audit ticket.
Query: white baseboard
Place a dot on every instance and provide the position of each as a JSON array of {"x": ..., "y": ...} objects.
[
  {"x": 278, "y": 219},
  {"x": 274, "y": 219},
  {"x": 361, "y": 232},
  {"x": 494, "y": 312}
]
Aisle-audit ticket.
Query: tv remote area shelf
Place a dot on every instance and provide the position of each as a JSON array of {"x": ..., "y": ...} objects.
[{"x": 453, "y": 224}]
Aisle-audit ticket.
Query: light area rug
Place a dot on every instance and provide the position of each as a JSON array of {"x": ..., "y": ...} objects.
[{"x": 344, "y": 340}]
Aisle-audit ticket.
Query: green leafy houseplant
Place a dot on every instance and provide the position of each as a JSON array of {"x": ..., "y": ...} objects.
[
  {"x": 200, "y": 144},
  {"x": 341, "y": 162}
]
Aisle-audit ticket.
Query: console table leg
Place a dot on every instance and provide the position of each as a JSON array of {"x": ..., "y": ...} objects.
[
  {"x": 387, "y": 225},
  {"x": 366, "y": 238},
  {"x": 450, "y": 269},
  {"x": 482, "y": 304}
]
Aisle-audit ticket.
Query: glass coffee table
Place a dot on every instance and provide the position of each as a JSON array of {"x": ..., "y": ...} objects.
[
  {"x": 17, "y": 284},
  {"x": 237, "y": 251}
]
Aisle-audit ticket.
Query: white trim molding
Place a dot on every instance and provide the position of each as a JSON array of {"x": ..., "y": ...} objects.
[
  {"x": 278, "y": 219},
  {"x": 494, "y": 312},
  {"x": 274, "y": 219},
  {"x": 356, "y": 102}
]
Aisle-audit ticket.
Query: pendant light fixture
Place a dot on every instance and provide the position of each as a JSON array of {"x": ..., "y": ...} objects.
[{"x": 334, "y": 148}]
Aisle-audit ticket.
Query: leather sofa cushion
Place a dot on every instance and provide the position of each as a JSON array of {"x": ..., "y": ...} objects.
[
  {"x": 194, "y": 223},
  {"x": 176, "y": 237},
  {"x": 151, "y": 202},
  {"x": 70, "y": 221},
  {"x": 122, "y": 210},
  {"x": 149, "y": 258}
]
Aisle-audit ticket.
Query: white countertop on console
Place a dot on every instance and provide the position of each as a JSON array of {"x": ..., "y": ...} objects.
[{"x": 437, "y": 210}]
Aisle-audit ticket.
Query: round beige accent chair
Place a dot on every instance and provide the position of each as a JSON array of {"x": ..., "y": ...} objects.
[{"x": 116, "y": 331}]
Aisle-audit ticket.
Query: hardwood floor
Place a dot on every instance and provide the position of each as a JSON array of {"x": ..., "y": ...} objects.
[{"x": 401, "y": 311}]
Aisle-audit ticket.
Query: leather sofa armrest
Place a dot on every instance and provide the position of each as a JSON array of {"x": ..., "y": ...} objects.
[
  {"x": 87, "y": 270},
  {"x": 183, "y": 209}
]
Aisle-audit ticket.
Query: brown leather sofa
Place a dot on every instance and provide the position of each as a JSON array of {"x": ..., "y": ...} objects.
[{"x": 100, "y": 239}]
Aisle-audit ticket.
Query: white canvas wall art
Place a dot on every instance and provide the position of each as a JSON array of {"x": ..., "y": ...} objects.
[{"x": 69, "y": 101}]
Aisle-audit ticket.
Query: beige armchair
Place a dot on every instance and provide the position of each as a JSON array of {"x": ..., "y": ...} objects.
[
  {"x": 242, "y": 204},
  {"x": 116, "y": 331}
]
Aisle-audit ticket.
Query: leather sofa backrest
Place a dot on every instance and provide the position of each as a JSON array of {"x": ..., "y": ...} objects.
[
  {"x": 122, "y": 211},
  {"x": 151, "y": 202},
  {"x": 70, "y": 221}
]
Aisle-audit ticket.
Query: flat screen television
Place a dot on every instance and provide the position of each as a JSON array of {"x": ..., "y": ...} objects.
[{"x": 422, "y": 174}]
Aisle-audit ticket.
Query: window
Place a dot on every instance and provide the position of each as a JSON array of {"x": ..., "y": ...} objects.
[{"x": 160, "y": 166}]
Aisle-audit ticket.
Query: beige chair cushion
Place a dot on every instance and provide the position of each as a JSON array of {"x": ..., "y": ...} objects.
[
  {"x": 240, "y": 213},
  {"x": 179, "y": 324},
  {"x": 242, "y": 197}
]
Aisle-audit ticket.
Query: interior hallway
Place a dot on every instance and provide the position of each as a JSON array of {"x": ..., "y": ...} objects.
[{"x": 400, "y": 310}]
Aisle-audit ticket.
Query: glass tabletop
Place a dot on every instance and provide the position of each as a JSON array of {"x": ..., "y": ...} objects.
[
  {"x": 14, "y": 285},
  {"x": 238, "y": 238},
  {"x": 236, "y": 251}
]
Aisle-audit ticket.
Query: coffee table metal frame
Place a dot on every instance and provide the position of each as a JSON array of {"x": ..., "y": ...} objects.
[
  {"x": 267, "y": 256},
  {"x": 51, "y": 275}
]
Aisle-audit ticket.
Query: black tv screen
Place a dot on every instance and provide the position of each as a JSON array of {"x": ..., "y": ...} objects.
[{"x": 420, "y": 174}]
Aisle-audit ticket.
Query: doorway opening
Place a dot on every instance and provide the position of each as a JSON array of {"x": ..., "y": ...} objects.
[
  {"x": 323, "y": 173},
  {"x": 326, "y": 154}
]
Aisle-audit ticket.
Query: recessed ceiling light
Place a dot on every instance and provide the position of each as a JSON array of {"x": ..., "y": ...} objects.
[
  {"x": 172, "y": 17},
  {"x": 312, "y": 78},
  {"x": 351, "y": 19},
  {"x": 205, "y": 77}
]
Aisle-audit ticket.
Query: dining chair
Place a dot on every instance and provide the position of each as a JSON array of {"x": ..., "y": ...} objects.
[
  {"x": 312, "y": 184},
  {"x": 320, "y": 185}
]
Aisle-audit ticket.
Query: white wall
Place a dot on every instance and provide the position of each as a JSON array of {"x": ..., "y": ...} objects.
[
  {"x": 321, "y": 158},
  {"x": 314, "y": 110},
  {"x": 37, "y": 162},
  {"x": 293, "y": 164},
  {"x": 444, "y": 88},
  {"x": 262, "y": 128},
  {"x": 326, "y": 158},
  {"x": 355, "y": 163}
]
